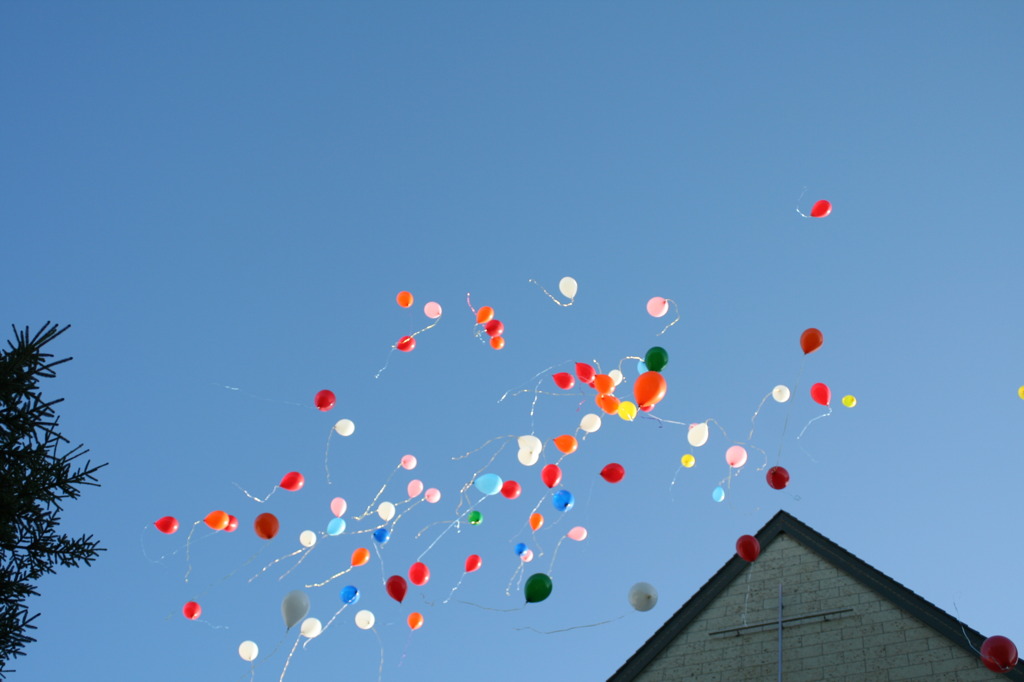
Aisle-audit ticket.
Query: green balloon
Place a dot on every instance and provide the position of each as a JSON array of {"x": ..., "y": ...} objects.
[
  {"x": 656, "y": 359},
  {"x": 538, "y": 588},
  {"x": 475, "y": 517}
]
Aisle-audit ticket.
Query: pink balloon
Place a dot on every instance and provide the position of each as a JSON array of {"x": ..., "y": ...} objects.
[
  {"x": 432, "y": 495},
  {"x": 432, "y": 310},
  {"x": 657, "y": 306},
  {"x": 408, "y": 462},
  {"x": 736, "y": 456},
  {"x": 415, "y": 487},
  {"x": 338, "y": 506},
  {"x": 579, "y": 534}
]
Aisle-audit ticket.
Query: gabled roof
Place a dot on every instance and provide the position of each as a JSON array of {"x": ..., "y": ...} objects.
[{"x": 873, "y": 579}]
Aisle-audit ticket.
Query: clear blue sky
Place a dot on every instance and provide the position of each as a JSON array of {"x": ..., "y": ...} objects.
[{"x": 231, "y": 194}]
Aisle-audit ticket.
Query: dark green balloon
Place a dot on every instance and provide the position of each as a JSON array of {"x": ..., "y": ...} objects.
[
  {"x": 538, "y": 588},
  {"x": 656, "y": 359},
  {"x": 475, "y": 517}
]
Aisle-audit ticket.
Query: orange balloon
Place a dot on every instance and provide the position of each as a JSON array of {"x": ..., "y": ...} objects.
[
  {"x": 609, "y": 404},
  {"x": 415, "y": 620},
  {"x": 266, "y": 526},
  {"x": 360, "y": 557},
  {"x": 566, "y": 444},
  {"x": 649, "y": 389},
  {"x": 484, "y": 315},
  {"x": 497, "y": 342},
  {"x": 217, "y": 520},
  {"x": 404, "y": 299},
  {"x": 604, "y": 384},
  {"x": 536, "y": 521}
]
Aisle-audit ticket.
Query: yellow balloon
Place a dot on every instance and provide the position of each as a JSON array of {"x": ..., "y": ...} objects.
[
  {"x": 1020, "y": 392},
  {"x": 689, "y": 461},
  {"x": 627, "y": 410},
  {"x": 849, "y": 400}
]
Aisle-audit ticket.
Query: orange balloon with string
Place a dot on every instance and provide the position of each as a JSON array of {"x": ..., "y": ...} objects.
[
  {"x": 649, "y": 389},
  {"x": 360, "y": 557}
]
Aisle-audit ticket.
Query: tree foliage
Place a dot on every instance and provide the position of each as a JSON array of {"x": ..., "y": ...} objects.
[{"x": 38, "y": 472}]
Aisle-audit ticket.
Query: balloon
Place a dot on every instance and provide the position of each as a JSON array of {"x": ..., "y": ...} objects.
[
  {"x": 494, "y": 328},
  {"x": 657, "y": 306},
  {"x": 551, "y": 475},
  {"x": 266, "y": 526},
  {"x": 324, "y": 400},
  {"x": 217, "y": 520},
  {"x": 748, "y": 548},
  {"x": 585, "y": 372},
  {"x": 564, "y": 380},
  {"x": 736, "y": 456},
  {"x": 360, "y": 557},
  {"x": 656, "y": 359},
  {"x": 811, "y": 340},
  {"x": 311, "y": 627},
  {"x": 1020, "y": 392},
  {"x": 511, "y": 489},
  {"x": 365, "y": 619},
  {"x": 821, "y": 209},
  {"x": 415, "y": 620},
  {"x": 526, "y": 556},
  {"x": 528, "y": 458},
  {"x": 616, "y": 376},
  {"x": 568, "y": 287},
  {"x": 386, "y": 511},
  {"x": 338, "y": 506},
  {"x": 643, "y": 596},
  {"x": 484, "y": 315},
  {"x": 232, "y": 523},
  {"x": 649, "y": 389},
  {"x": 566, "y": 444},
  {"x": 408, "y": 462},
  {"x": 294, "y": 607},
  {"x": 475, "y": 518},
  {"x": 432, "y": 310},
  {"x": 396, "y": 587},
  {"x": 536, "y": 521},
  {"x": 563, "y": 500},
  {"x": 336, "y": 526},
  {"x": 613, "y": 473},
  {"x": 292, "y": 481},
  {"x": 849, "y": 401},
  {"x": 718, "y": 494},
  {"x": 627, "y": 410},
  {"x": 531, "y": 446},
  {"x": 640, "y": 367},
  {"x": 473, "y": 563},
  {"x": 432, "y": 495},
  {"x": 419, "y": 574},
  {"x": 688, "y": 461},
  {"x": 382, "y": 535},
  {"x": 166, "y": 524},
  {"x": 603, "y": 383},
  {"x": 404, "y": 299},
  {"x": 349, "y": 594},
  {"x": 999, "y": 654},
  {"x": 590, "y": 423},
  {"x": 488, "y": 484},
  {"x": 777, "y": 477},
  {"x": 248, "y": 650},
  {"x": 414, "y": 488},
  {"x": 537, "y": 588},
  {"x": 609, "y": 404},
  {"x": 307, "y": 538},
  {"x": 345, "y": 427},
  {"x": 578, "y": 533},
  {"x": 520, "y": 548},
  {"x": 780, "y": 393},
  {"x": 405, "y": 344},
  {"x": 192, "y": 610},
  {"x": 497, "y": 342},
  {"x": 821, "y": 394}
]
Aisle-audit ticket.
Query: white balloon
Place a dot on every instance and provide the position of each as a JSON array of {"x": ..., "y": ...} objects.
[
  {"x": 590, "y": 423},
  {"x": 365, "y": 619},
  {"x": 643, "y": 596},
  {"x": 311, "y": 627},
  {"x": 780, "y": 393},
  {"x": 345, "y": 427},
  {"x": 386, "y": 511},
  {"x": 568, "y": 287},
  {"x": 529, "y": 450},
  {"x": 616, "y": 376},
  {"x": 248, "y": 650},
  {"x": 698, "y": 434},
  {"x": 307, "y": 538}
]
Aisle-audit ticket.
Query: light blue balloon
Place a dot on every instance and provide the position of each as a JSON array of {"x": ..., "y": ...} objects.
[
  {"x": 520, "y": 548},
  {"x": 349, "y": 594},
  {"x": 488, "y": 484},
  {"x": 641, "y": 366},
  {"x": 563, "y": 500},
  {"x": 382, "y": 535},
  {"x": 336, "y": 526},
  {"x": 718, "y": 494}
]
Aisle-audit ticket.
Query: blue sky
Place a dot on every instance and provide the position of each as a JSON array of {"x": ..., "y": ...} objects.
[{"x": 222, "y": 196}]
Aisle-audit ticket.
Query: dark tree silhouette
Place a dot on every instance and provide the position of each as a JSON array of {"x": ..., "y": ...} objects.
[{"x": 35, "y": 480}]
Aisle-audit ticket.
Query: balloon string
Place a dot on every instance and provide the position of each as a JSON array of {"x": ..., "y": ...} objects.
[
  {"x": 253, "y": 497},
  {"x": 327, "y": 450},
  {"x": 380, "y": 492},
  {"x": 450, "y": 525},
  {"x": 380, "y": 670},
  {"x": 272, "y": 563},
  {"x": 678, "y": 316},
  {"x": 753, "y": 419},
  {"x": 489, "y": 608},
  {"x": 961, "y": 623},
  {"x": 303, "y": 558},
  {"x": 564, "y": 305},
  {"x": 333, "y": 577},
  {"x": 397, "y": 518},
  {"x": 336, "y": 614},
  {"x": 574, "y": 627},
  {"x": 380, "y": 560},
  {"x": 518, "y": 390},
  {"x": 554, "y": 555},
  {"x": 289, "y": 659},
  {"x": 454, "y": 459},
  {"x": 824, "y": 414},
  {"x": 789, "y": 411},
  {"x": 520, "y": 568},
  {"x": 457, "y": 586},
  {"x": 188, "y": 550},
  {"x": 798, "y": 200}
]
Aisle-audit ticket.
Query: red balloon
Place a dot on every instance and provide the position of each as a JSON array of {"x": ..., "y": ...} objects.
[
  {"x": 232, "y": 523},
  {"x": 613, "y": 472},
  {"x": 494, "y": 328},
  {"x": 167, "y": 524},
  {"x": 419, "y": 574},
  {"x": 406, "y": 344},
  {"x": 748, "y": 547},
  {"x": 648, "y": 389},
  {"x": 564, "y": 380},
  {"x": 511, "y": 489},
  {"x": 777, "y": 477},
  {"x": 811, "y": 340},
  {"x": 645, "y": 408},
  {"x": 821, "y": 394},
  {"x": 999, "y": 654},
  {"x": 266, "y": 526},
  {"x": 192, "y": 610},
  {"x": 551, "y": 475},
  {"x": 473, "y": 563},
  {"x": 292, "y": 481},
  {"x": 324, "y": 400},
  {"x": 821, "y": 208},
  {"x": 585, "y": 372},
  {"x": 396, "y": 587}
]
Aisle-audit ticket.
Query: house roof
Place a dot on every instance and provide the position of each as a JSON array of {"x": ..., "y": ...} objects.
[{"x": 783, "y": 522}]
